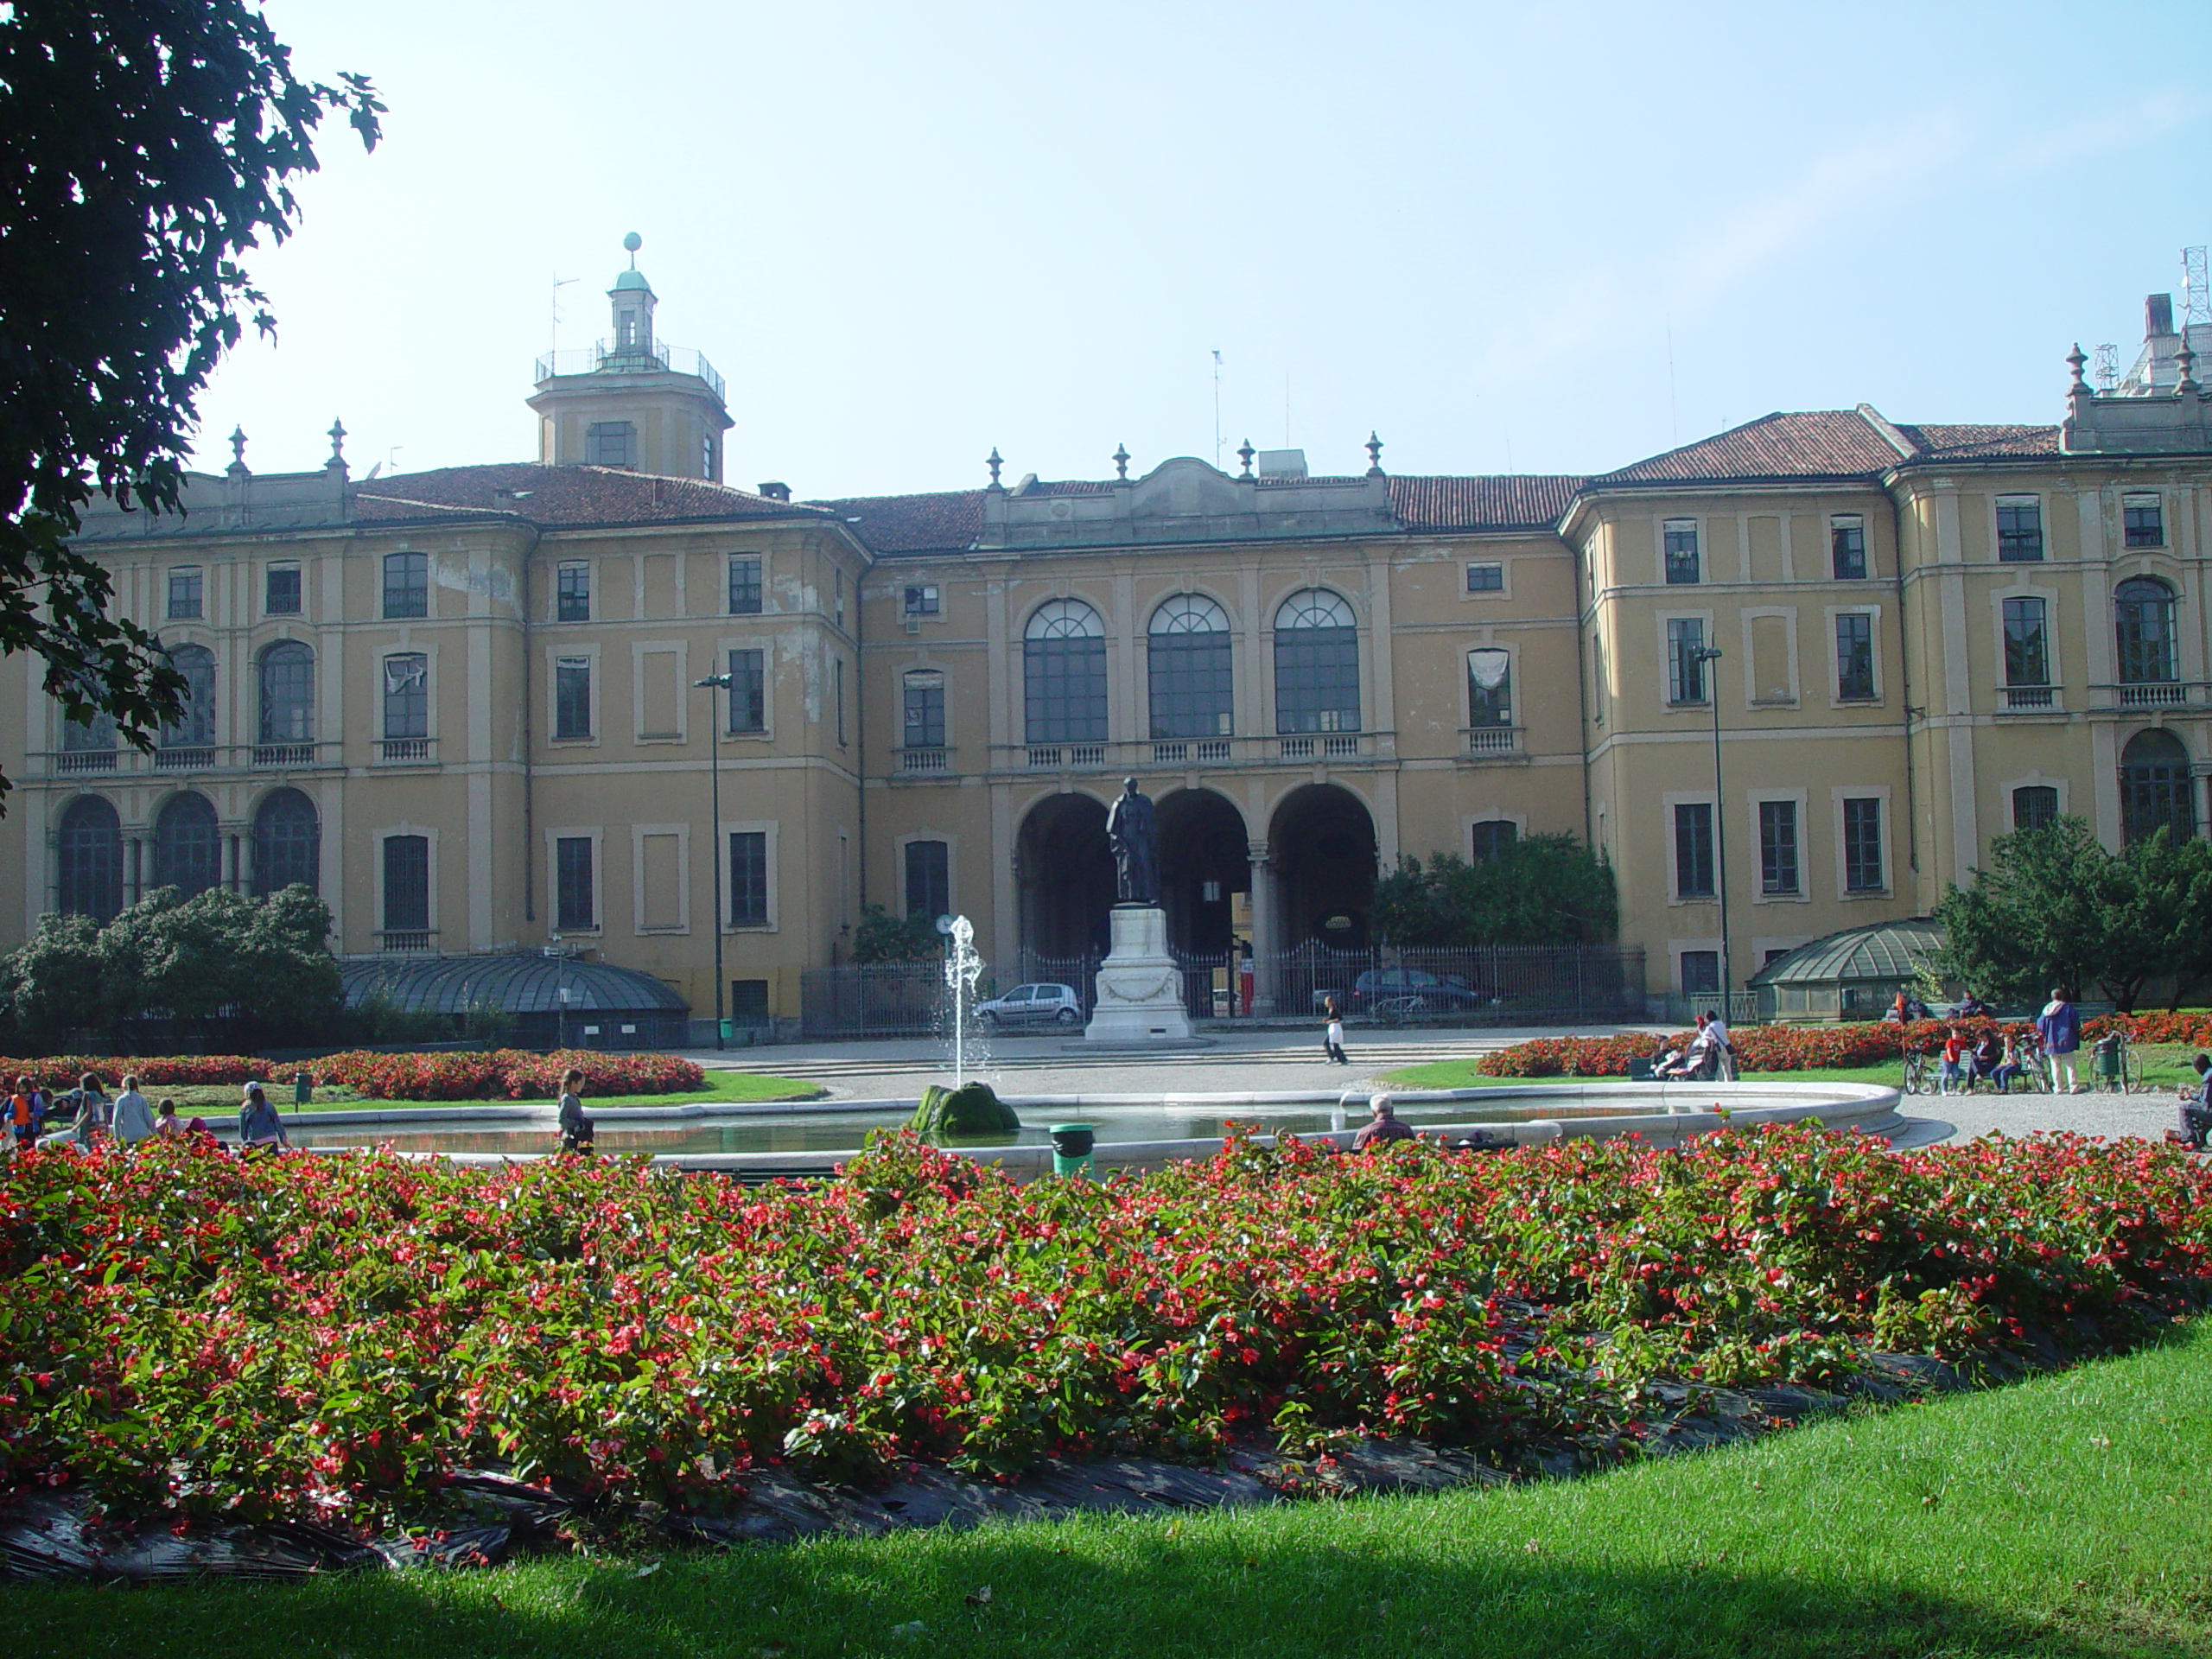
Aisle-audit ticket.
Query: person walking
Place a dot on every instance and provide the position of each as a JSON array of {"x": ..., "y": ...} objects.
[
  {"x": 576, "y": 1128},
  {"x": 2060, "y": 1026},
  {"x": 95, "y": 1115},
  {"x": 260, "y": 1129},
  {"x": 133, "y": 1118},
  {"x": 22, "y": 1116},
  {"x": 1333, "y": 1039}
]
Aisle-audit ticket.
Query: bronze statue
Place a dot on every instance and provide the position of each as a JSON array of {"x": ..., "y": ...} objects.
[{"x": 1137, "y": 851}]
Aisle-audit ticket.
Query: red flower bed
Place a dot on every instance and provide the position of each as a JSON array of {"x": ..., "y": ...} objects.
[
  {"x": 1758, "y": 1048},
  {"x": 335, "y": 1335},
  {"x": 2190, "y": 1025},
  {"x": 154, "y": 1071},
  {"x": 506, "y": 1074}
]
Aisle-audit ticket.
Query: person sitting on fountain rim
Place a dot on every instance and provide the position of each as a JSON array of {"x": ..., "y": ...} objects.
[
  {"x": 1384, "y": 1125},
  {"x": 2195, "y": 1109}
]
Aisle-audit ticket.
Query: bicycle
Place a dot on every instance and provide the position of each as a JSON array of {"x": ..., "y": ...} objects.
[
  {"x": 2126, "y": 1066},
  {"x": 1919, "y": 1072}
]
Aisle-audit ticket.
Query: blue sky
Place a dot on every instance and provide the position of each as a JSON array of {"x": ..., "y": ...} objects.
[{"x": 1556, "y": 237}]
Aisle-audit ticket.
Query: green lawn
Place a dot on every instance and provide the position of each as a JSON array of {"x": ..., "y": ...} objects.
[
  {"x": 2067, "y": 1518},
  {"x": 722, "y": 1087}
]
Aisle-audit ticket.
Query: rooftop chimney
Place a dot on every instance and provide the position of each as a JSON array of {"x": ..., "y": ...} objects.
[
  {"x": 2158, "y": 315},
  {"x": 774, "y": 489}
]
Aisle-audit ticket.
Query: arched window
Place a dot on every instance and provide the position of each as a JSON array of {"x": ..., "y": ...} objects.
[
  {"x": 91, "y": 848},
  {"x": 287, "y": 693},
  {"x": 1064, "y": 674},
  {"x": 287, "y": 844},
  {"x": 195, "y": 727},
  {"x": 2155, "y": 787},
  {"x": 1317, "y": 663},
  {"x": 1187, "y": 659},
  {"x": 2144, "y": 610},
  {"x": 187, "y": 854}
]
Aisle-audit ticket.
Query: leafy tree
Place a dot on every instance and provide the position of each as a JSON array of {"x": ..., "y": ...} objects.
[
  {"x": 2056, "y": 908},
  {"x": 260, "y": 968},
  {"x": 144, "y": 144},
  {"x": 1547, "y": 889},
  {"x": 882, "y": 937}
]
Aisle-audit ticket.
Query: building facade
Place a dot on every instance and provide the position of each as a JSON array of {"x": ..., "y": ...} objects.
[{"x": 1812, "y": 664}]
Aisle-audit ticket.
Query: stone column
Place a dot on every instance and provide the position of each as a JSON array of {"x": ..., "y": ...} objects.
[
  {"x": 133, "y": 869},
  {"x": 1265, "y": 936}
]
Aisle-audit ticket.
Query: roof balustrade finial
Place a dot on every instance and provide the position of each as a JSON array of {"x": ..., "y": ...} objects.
[
  {"x": 337, "y": 443},
  {"x": 995, "y": 463},
  {"x": 236, "y": 468},
  {"x": 1121, "y": 461},
  {"x": 1244, "y": 452},
  {"x": 631, "y": 244},
  {"x": 1374, "y": 454},
  {"x": 2185, "y": 361},
  {"x": 2074, "y": 361}
]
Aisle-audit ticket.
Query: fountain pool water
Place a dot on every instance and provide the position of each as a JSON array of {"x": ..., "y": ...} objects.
[{"x": 1133, "y": 1131}]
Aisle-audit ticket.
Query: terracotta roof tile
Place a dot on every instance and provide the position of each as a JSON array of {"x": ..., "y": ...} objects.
[
  {"x": 557, "y": 497},
  {"x": 1970, "y": 442},
  {"x": 1811, "y": 444},
  {"x": 944, "y": 522},
  {"x": 1514, "y": 501}
]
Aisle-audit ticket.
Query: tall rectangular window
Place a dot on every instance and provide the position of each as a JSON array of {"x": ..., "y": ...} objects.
[
  {"x": 406, "y": 884},
  {"x": 572, "y": 600},
  {"x": 2144, "y": 520},
  {"x": 838, "y": 688},
  {"x": 575, "y": 905},
  {"x": 2019, "y": 528},
  {"x": 1848, "y": 546},
  {"x": 924, "y": 713},
  {"x": 279, "y": 591},
  {"x": 1855, "y": 657},
  {"x": 1700, "y": 973},
  {"x": 744, "y": 585},
  {"x": 840, "y": 598},
  {"x": 2035, "y": 806},
  {"x": 1693, "y": 850},
  {"x": 184, "y": 592},
  {"x": 1685, "y": 670},
  {"x": 1862, "y": 845},
  {"x": 571, "y": 697},
  {"x": 1678, "y": 538},
  {"x": 406, "y": 585},
  {"x": 748, "y": 877},
  {"x": 2027, "y": 655},
  {"x": 1778, "y": 847},
  {"x": 748, "y": 691},
  {"x": 929, "y": 879},
  {"x": 407, "y": 695},
  {"x": 1490, "y": 687}
]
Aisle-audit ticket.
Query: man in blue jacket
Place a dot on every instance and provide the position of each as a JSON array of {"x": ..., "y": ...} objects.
[{"x": 2060, "y": 1026}]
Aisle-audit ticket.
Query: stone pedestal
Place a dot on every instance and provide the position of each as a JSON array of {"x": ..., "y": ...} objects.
[{"x": 1139, "y": 987}]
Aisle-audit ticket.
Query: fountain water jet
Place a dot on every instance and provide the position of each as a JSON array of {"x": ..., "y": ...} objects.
[{"x": 962, "y": 968}]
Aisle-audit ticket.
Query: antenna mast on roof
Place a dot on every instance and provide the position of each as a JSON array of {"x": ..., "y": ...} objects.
[
  {"x": 1217, "y": 408},
  {"x": 2108, "y": 369},
  {"x": 2196, "y": 301}
]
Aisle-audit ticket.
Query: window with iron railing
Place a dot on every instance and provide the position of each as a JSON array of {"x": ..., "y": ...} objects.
[
  {"x": 1678, "y": 542},
  {"x": 2019, "y": 528},
  {"x": 406, "y": 585},
  {"x": 2143, "y": 520},
  {"x": 2143, "y": 614},
  {"x": 1848, "y": 547}
]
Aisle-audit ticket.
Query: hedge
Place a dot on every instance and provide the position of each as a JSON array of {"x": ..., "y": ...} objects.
[{"x": 506, "y": 1074}]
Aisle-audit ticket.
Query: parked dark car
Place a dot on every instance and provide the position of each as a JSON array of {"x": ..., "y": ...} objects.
[{"x": 1401, "y": 991}]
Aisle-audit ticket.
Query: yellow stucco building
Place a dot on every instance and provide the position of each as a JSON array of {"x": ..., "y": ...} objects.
[{"x": 464, "y": 704}]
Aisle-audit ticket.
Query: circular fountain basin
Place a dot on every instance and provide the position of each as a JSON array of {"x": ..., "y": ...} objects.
[{"x": 1134, "y": 1131}]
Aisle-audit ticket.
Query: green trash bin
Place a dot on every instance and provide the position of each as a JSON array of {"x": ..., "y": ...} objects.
[
  {"x": 1072, "y": 1148},
  {"x": 302, "y": 1088},
  {"x": 2109, "y": 1058}
]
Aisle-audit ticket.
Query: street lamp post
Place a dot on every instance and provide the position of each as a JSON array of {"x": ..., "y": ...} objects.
[
  {"x": 1705, "y": 656},
  {"x": 714, "y": 835}
]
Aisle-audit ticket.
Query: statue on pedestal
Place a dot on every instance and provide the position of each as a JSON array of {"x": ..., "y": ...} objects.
[{"x": 1136, "y": 851}]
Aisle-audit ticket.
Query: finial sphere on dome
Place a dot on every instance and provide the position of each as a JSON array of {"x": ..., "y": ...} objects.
[{"x": 633, "y": 242}]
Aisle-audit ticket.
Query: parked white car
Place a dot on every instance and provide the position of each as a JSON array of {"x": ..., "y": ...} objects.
[{"x": 1032, "y": 1004}]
